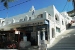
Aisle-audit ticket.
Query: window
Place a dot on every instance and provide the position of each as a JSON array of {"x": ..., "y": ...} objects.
[
  {"x": 62, "y": 22},
  {"x": 35, "y": 24},
  {"x": 56, "y": 17},
  {"x": 57, "y": 29},
  {"x": 24, "y": 19},
  {"x": 21, "y": 20},
  {"x": 40, "y": 16},
  {"x": 49, "y": 14},
  {"x": 53, "y": 32},
  {"x": 40, "y": 23},
  {"x": 29, "y": 18}
]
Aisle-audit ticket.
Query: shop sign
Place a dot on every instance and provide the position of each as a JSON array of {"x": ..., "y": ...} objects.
[{"x": 33, "y": 24}]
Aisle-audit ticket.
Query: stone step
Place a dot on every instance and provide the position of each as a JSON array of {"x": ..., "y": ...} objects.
[
  {"x": 61, "y": 49},
  {"x": 65, "y": 45}
]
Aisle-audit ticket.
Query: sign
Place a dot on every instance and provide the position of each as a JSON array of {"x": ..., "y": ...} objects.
[{"x": 33, "y": 24}]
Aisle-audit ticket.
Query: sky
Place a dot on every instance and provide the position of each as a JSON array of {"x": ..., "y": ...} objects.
[{"x": 38, "y": 4}]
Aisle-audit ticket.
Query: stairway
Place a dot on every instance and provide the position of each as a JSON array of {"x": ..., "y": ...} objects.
[{"x": 65, "y": 41}]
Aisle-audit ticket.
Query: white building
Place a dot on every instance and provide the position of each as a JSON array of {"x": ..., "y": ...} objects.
[
  {"x": 43, "y": 24},
  {"x": 67, "y": 18}
]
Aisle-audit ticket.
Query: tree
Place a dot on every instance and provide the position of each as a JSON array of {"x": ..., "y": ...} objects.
[{"x": 5, "y": 2}]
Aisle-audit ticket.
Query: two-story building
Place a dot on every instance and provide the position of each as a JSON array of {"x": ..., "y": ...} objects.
[{"x": 43, "y": 24}]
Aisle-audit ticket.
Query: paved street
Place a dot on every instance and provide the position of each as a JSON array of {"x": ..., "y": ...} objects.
[{"x": 66, "y": 41}]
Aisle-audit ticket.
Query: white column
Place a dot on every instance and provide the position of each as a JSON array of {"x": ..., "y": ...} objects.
[
  {"x": 43, "y": 33},
  {"x": 38, "y": 38}
]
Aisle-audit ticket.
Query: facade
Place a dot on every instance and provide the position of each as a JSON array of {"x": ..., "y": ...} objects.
[
  {"x": 72, "y": 14},
  {"x": 36, "y": 25},
  {"x": 68, "y": 19}
]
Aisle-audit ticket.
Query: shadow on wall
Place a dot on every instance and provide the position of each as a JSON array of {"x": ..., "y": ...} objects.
[
  {"x": 68, "y": 26},
  {"x": 73, "y": 27}
]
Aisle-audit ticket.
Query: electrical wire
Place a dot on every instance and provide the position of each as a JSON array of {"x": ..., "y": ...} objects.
[
  {"x": 65, "y": 6},
  {"x": 17, "y": 4},
  {"x": 68, "y": 7}
]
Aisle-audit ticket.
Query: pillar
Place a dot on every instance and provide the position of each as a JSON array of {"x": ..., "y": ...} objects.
[
  {"x": 38, "y": 38},
  {"x": 43, "y": 33}
]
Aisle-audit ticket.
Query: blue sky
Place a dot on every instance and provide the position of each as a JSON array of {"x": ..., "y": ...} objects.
[{"x": 38, "y": 4}]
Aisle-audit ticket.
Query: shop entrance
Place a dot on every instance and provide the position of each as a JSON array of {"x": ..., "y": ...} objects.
[{"x": 31, "y": 34}]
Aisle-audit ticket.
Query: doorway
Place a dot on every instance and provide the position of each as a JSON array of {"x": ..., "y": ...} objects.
[
  {"x": 53, "y": 33},
  {"x": 31, "y": 35}
]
